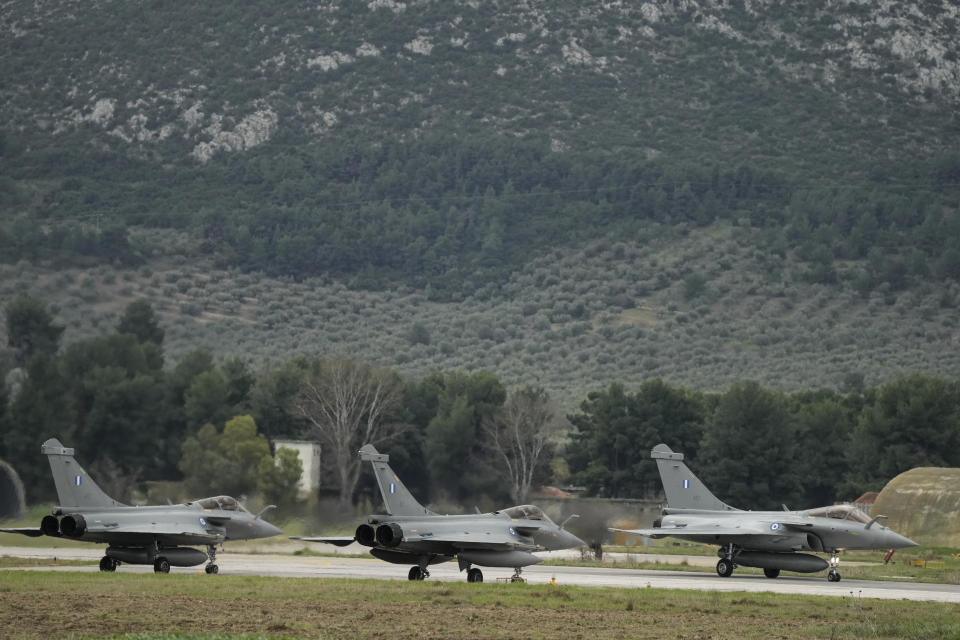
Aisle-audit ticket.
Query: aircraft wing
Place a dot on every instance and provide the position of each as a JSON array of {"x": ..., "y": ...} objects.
[
  {"x": 33, "y": 532},
  {"x": 175, "y": 533},
  {"x": 472, "y": 541},
  {"x": 703, "y": 530},
  {"x": 337, "y": 541}
]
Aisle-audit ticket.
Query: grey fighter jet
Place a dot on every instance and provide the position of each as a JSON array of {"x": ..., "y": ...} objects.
[
  {"x": 141, "y": 535},
  {"x": 769, "y": 540},
  {"x": 409, "y": 533}
]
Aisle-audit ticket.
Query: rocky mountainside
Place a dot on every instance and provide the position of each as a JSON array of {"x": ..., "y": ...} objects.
[
  {"x": 564, "y": 192},
  {"x": 774, "y": 80}
]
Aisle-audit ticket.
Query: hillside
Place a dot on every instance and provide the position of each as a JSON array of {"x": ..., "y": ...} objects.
[
  {"x": 570, "y": 321},
  {"x": 560, "y": 192}
]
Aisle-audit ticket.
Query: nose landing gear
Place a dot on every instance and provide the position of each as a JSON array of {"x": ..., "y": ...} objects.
[
  {"x": 725, "y": 565},
  {"x": 212, "y": 567},
  {"x": 833, "y": 575}
]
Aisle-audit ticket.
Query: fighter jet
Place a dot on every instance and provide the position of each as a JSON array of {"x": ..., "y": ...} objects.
[
  {"x": 141, "y": 535},
  {"x": 768, "y": 540},
  {"x": 409, "y": 533}
]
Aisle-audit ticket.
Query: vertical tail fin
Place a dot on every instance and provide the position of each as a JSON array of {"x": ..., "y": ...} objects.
[
  {"x": 74, "y": 487},
  {"x": 683, "y": 489},
  {"x": 396, "y": 498}
]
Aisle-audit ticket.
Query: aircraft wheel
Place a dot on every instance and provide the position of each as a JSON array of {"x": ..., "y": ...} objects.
[
  {"x": 161, "y": 565},
  {"x": 724, "y": 568},
  {"x": 416, "y": 573},
  {"x": 474, "y": 575},
  {"x": 833, "y": 576},
  {"x": 771, "y": 573},
  {"x": 212, "y": 569},
  {"x": 108, "y": 564}
]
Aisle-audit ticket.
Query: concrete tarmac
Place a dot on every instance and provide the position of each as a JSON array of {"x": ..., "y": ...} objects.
[{"x": 263, "y": 564}]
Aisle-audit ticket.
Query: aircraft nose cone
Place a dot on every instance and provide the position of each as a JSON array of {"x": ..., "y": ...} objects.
[
  {"x": 570, "y": 541},
  {"x": 267, "y": 530},
  {"x": 902, "y": 542}
]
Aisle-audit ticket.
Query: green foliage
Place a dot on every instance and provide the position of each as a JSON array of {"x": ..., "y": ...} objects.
[
  {"x": 271, "y": 399},
  {"x": 911, "y": 422},
  {"x": 824, "y": 424},
  {"x": 205, "y": 401},
  {"x": 749, "y": 449},
  {"x": 451, "y": 440},
  {"x": 30, "y": 328},
  {"x": 610, "y": 451},
  {"x": 229, "y": 462},
  {"x": 278, "y": 477},
  {"x": 694, "y": 286},
  {"x": 140, "y": 320},
  {"x": 419, "y": 334},
  {"x": 40, "y": 409}
]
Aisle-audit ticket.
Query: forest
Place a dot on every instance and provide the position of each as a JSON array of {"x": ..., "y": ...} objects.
[
  {"x": 456, "y": 215},
  {"x": 206, "y": 423}
]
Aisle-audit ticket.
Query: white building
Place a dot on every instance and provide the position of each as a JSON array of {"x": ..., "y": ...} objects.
[{"x": 309, "y": 454}]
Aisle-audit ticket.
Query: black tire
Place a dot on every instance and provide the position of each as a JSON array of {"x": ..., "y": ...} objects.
[
  {"x": 771, "y": 573},
  {"x": 212, "y": 569},
  {"x": 724, "y": 568},
  {"x": 474, "y": 575},
  {"x": 161, "y": 565},
  {"x": 833, "y": 576},
  {"x": 416, "y": 573},
  {"x": 108, "y": 564}
]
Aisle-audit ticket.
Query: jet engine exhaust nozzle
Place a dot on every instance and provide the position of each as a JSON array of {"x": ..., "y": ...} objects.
[
  {"x": 73, "y": 525},
  {"x": 366, "y": 535},
  {"x": 50, "y": 526},
  {"x": 389, "y": 535}
]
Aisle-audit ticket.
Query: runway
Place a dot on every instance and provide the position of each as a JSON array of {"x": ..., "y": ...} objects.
[{"x": 264, "y": 564}]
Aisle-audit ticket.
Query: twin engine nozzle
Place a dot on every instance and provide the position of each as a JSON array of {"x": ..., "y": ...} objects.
[
  {"x": 72, "y": 525},
  {"x": 386, "y": 535}
]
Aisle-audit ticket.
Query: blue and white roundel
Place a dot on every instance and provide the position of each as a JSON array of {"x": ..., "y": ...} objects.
[
  {"x": 513, "y": 531},
  {"x": 774, "y": 526},
  {"x": 77, "y": 480},
  {"x": 203, "y": 522}
]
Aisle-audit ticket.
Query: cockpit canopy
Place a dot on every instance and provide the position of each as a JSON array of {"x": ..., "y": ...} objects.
[
  {"x": 840, "y": 512},
  {"x": 526, "y": 512},
  {"x": 221, "y": 502}
]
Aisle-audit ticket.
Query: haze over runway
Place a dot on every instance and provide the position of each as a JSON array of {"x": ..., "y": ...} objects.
[{"x": 263, "y": 564}]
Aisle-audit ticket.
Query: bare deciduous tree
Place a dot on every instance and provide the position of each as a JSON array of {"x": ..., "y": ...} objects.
[
  {"x": 519, "y": 433},
  {"x": 347, "y": 404}
]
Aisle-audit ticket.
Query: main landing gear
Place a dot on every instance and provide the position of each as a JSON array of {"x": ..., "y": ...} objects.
[
  {"x": 474, "y": 575},
  {"x": 108, "y": 564},
  {"x": 212, "y": 567},
  {"x": 833, "y": 575},
  {"x": 161, "y": 565},
  {"x": 516, "y": 577},
  {"x": 418, "y": 573}
]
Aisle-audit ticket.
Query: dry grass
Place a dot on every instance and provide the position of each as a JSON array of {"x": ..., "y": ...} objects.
[{"x": 153, "y": 606}]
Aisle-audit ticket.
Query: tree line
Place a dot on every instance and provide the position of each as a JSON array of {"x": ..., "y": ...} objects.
[
  {"x": 455, "y": 437},
  {"x": 459, "y": 213}
]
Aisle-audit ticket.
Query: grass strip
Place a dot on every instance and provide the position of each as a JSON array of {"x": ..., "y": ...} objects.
[{"x": 151, "y": 606}]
